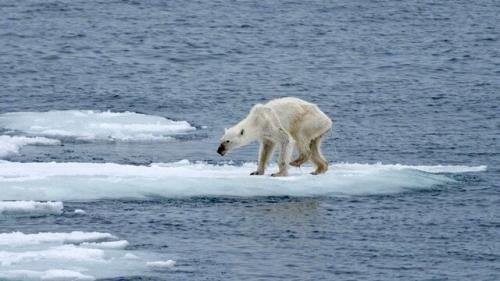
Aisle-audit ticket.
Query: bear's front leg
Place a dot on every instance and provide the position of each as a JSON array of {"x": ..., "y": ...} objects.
[
  {"x": 285, "y": 154},
  {"x": 266, "y": 150}
]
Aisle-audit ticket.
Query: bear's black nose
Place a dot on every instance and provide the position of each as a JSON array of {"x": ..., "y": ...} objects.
[{"x": 221, "y": 150}]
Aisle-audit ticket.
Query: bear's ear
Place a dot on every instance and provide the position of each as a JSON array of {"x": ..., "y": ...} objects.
[
  {"x": 242, "y": 132},
  {"x": 225, "y": 130}
]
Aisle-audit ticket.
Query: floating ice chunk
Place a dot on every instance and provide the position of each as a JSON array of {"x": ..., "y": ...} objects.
[
  {"x": 121, "y": 244},
  {"x": 161, "y": 264},
  {"x": 92, "y": 181},
  {"x": 18, "y": 238},
  {"x": 52, "y": 274},
  {"x": 79, "y": 212},
  {"x": 130, "y": 256},
  {"x": 57, "y": 254},
  {"x": 63, "y": 274},
  {"x": 70, "y": 256},
  {"x": 30, "y": 208},
  {"x": 95, "y": 125},
  {"x": 12, "y": 144}
]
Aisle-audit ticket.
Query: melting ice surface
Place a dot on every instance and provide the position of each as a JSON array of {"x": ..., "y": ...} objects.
[
  {"x": 92, "y": 181},
  {"x": 31, "y": 208},
  {"x": 71, "y": 256},
  {"x": 94, "y": 255},
  {"x": 91, "y": 125},
  {"x": 12, "y": 144}
]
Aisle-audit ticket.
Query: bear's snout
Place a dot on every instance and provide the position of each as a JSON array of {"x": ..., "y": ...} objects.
[{"x": 221, "y": 150}]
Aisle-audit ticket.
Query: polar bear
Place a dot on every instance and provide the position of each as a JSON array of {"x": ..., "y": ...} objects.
[{"x": 285, "y": 122}]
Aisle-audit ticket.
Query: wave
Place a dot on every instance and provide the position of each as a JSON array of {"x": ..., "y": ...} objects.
[
  {"x": 92, "y": 181},
  {"x": 71, "y": 256},
  {"x": 12, "y": 144},
  {"x": 94, "y": 125},
  {"x": 30, "y": 208}
]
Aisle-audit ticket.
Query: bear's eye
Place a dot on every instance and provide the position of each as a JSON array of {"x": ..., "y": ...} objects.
[
  {"x": 242, "y": 132},
  {"x": 227, "y": 141}
]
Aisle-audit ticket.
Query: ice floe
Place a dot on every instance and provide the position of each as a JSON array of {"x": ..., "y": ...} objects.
[
  {"x": 14, "y": 239},
  {"x": 91, "y": 181},
  {"x": 72, "y": 256},
  {"x": 161, "y": 264},
  {"x": 94, "y": 125},
  {"x": 12, "y": 144},
  {"x": 120, "y": 244},
  {"x": 79, "y": 212},
  {"x": 51, "y": 274},
  {"x": 30, "y": 208}
]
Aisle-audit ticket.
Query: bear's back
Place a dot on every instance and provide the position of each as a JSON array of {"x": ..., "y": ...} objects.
[
  {"x": 290, "y": 110},
  {"x": 286, "y": 101}
]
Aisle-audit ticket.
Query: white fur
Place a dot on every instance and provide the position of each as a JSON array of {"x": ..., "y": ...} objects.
[{"x": 283, "y": 122}]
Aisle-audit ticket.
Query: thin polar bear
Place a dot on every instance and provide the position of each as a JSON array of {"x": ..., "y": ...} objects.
[{"x": 285, "y": 122}]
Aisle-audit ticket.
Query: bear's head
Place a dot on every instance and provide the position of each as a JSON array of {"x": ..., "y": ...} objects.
[
  {"x": 234, "y": 137},
  {"x": 245, "y": 132}
]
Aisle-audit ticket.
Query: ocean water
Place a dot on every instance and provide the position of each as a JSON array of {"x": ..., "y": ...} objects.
[{"x": 111, "y": 113}]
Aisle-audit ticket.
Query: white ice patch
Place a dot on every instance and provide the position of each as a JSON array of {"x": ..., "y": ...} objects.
[
  {"x": 30, "y": 208},
  {"x": 91, "y": 181},
  {"x": 79, "y": 212},
  {"x": 121, "y": 244},
  {"x": 16, "y": 239},
  {"x": 12, "y": 144},
  {"x": 70, "y": 256},
  {"x": 52, "y": 274},
  {"x": 161, "y": 264},
  {"x": 94, "y": 125}
]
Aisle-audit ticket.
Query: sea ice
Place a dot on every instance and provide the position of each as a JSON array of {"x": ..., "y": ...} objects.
[
  {"x": 79, "y": 212},
  {"x": 72, "y": 256},
  {"x": 30, "y": 208},
  {"x": 92, "y": 181},
  {"x": 161, "y": 264},
  {"x": 95, "y": 125},
  {"x": 12, "y": 144}
]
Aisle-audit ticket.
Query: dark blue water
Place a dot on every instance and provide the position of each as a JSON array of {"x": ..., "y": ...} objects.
[{"x": 404, "y": 82}]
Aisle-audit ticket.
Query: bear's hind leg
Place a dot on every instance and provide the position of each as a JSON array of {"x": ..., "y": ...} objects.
[
  {"x": 317, "y": 157},
  {"x": 304, "y": 151}
]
